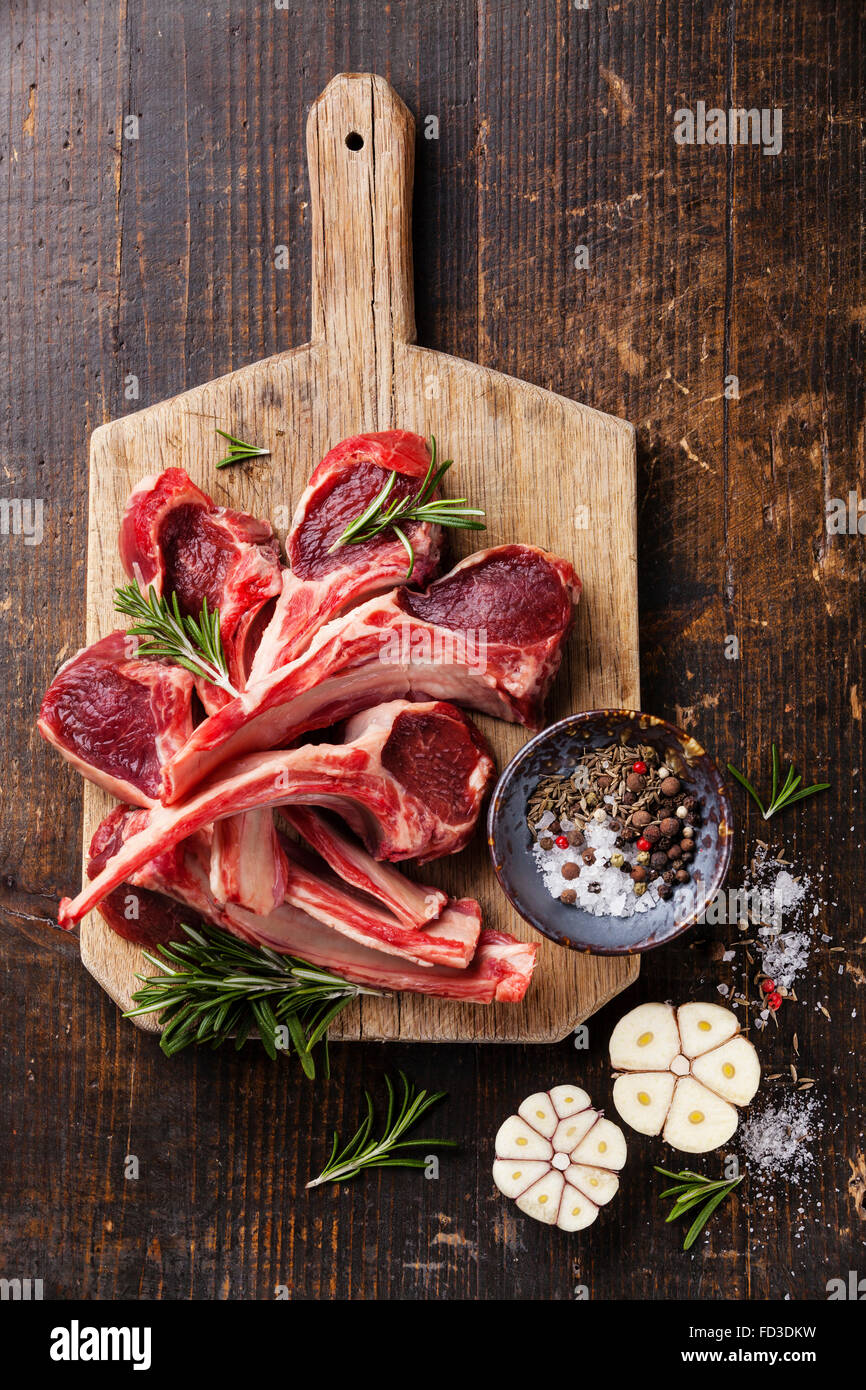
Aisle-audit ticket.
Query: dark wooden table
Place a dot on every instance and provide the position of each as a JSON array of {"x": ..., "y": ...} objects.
[{"x": 154, "y": 259}]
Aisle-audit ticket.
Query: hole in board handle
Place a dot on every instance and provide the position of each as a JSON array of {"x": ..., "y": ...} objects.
[{"x": 354, "y": 141}]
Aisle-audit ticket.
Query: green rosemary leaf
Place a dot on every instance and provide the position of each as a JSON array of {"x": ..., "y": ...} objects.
[
  {"x": 212, "y": 987},
  {"x": 790, "y": 791},
  {"x": 385, "y": 513},
  {"x": 692, "y": 1190},
  {"x": 193, "y": 643},
  {"x": 706, "y": 1212},
  {"x": 240, "y": 450},
  {"x": 361, "y": 1152}
]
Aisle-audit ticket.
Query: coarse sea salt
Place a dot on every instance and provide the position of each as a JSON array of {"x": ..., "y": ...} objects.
[
  {"x": 615, "y": 895},
  {"x": 776, "y": 1137}
]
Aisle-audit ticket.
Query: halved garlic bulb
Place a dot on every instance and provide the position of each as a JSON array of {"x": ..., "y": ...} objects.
[
  {"x": 558, "y": 1158},
  {"x": 682, "y": 1073}
]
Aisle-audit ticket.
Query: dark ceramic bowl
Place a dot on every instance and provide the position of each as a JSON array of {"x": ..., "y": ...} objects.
[{"x": 551, "y": 752}]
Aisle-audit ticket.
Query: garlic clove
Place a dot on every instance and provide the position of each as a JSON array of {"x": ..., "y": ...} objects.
[
  {"x": 603, "y": 1146},
  {"x": 538, "y": 1112},
  {"x": 643, "y": 1099},
  {"x": 698, "y": 1120},
  {"x": 646, "y": 1039},
  {"x": 568, "y": 1100},
  {"x": 516, "y": 1139},
  {"x": 575, "y": 1211},
  {"x": 512, "y": 1176},
  {"x": 703, "y": 1026},
  {"x": 598, "y": 1184},
  {"x": 569, "y": 1132},
  {"x": 732, "y": 1070},
  {"x": 541, "y": 1200}
]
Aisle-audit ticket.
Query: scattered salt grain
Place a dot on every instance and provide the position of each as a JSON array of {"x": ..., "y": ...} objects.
[
  {"x": 785, "y": 957},
  {"x": 776, "y": 1138}
]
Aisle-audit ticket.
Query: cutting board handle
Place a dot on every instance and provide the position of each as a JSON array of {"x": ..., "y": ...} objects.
[{"x": 361, "y": 154}]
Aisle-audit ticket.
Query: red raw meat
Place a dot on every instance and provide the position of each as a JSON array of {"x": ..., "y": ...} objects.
[
  {"x": 500, "y": 970},
  {"x": 117, "y": 718},
  {"x": 174, "y": 537},
  {"x": 411, "y": 903},
  {"x": 488, "y": 635},
  {"x": 323, "y": 583},
  {"x": 310, "y": 886},
  {"x": 400, "y": 810}
]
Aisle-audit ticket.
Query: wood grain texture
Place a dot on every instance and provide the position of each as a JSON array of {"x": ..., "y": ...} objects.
[
  {"x": 362, "y": 372},
  {"x": 156, "y": 257}
]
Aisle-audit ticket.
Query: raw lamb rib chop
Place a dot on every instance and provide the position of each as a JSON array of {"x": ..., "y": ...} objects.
[
  {"x": 409, "y": 780},
  {"x": 322, "y": 584},
  {"x": 500, "y": 969},
  {"x": 174, "y": 537},
  {"x": 488, "y": 635},
  {"x": 413, "y": 904},
  {"x": 117, "y": 718},
  {"x": 311, "y": 887}
]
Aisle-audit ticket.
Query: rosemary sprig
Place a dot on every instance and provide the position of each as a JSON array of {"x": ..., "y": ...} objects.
[
  {"x": 691, "y": 1190},
  {"x": 239, "y": 450},
  {"x": 379, "y": 516},
  {"x": 194, "y": 643},
  {"x": 213, "y": 987},
  {"x": 782, "y": 794},
  {"x": 362, "y": 1152}
]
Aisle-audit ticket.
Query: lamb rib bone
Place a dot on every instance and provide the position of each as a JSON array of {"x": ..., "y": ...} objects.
[
  {"x": 451, "y": 940},
  {"x": 411, "y": 903},
  {"x": 489, "y": 635},
  {"x": 410, "y": 781}
]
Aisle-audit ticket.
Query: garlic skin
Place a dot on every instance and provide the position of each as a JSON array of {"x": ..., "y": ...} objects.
[
  {"x": 682, "y": 1073},
  {"x": 557, "y": 1158}
]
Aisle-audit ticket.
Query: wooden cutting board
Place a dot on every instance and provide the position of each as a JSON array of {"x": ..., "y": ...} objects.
[{"x": 545, "y": 469}]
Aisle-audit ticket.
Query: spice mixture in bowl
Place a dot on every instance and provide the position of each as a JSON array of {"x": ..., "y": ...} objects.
[{"x": 610, "y": 831}]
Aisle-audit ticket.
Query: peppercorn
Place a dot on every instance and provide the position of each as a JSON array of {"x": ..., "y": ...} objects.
[
  {"x": 554, "y": 827},
  {"x": 639, "y": 767},
  {"x": 774, "y": 1000},
  {"x": 614, "y": 824},
  {"x": 669, "y": 826},
  {"x": 594, "y": 887},
  {"x": 640, "y": 819},
  {"x": 668, "y": 876},
  {"x": 670, "y": 786},
  {"x": 643, "y": 844},
  {"x": 674, "y": 852},
  {"x": 627, "y": 798},
  {"x": 638, "y": 874},
  {"x": 643, "y": 857},
  {"x": 604, "y": 783},
  {"x": 619, "y": 842},
  {"x": 575, "y": 837},
  {"x": 640, "y": 889},
  {"x": 568, "y": 895},
  {"x": 664, "y": 843},
  {"x": 546, "y": 842},
  {"x": 652, "y": 833},
  {"x": 768, "y": 986},
  {"x": 690, "y": 802},
  {"x": 561, "y": 842},
  {"x": 570, "y": 869},
  {"x": 616, "y": 861},
  {"x": 588, "y": 856},
  {"x": 629, "y": 835},
  {"x": 664, "y": 891},
  {"x": 659, "y": 860},
  {"x": 683, "y": 875},
  {"x": 635, "y": 782},
  {"x": 599, "y": 815}
]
